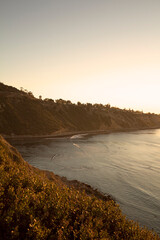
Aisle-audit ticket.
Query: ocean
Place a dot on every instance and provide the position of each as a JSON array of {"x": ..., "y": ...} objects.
[{"x": 125, "y": 165}]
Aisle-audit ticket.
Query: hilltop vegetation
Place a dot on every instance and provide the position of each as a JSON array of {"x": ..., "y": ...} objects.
[
  {"x": 33, "y": 207},
  {"x": 23, "y": 114}
]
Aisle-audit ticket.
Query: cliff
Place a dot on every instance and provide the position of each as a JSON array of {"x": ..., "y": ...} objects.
[
  {"x": 34, "y": 207},
  {"x": 23, "y": 114}
]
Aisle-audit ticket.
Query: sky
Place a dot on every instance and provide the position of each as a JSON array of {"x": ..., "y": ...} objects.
[{"x": 97, "y": 51}]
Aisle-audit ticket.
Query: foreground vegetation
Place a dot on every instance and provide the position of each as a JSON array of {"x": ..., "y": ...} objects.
[
  {"x": 23, "y": 114},
  {"x": 33, "y": 207}
]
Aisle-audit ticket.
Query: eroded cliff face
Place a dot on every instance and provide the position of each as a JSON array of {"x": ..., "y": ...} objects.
[{"x": 23, "y": 114}]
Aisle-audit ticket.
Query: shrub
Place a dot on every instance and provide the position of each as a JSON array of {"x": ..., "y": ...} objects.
[{"x": 33, "y": 207}]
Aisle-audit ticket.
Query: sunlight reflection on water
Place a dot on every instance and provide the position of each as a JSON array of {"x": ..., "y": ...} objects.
[{"x": 125, "y": 165}]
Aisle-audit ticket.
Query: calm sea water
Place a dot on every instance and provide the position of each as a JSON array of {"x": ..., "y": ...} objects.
[{"x": 125, "y": 165}]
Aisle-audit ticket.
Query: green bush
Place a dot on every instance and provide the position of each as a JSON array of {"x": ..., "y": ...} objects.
[{"x": 33, "y": 207}]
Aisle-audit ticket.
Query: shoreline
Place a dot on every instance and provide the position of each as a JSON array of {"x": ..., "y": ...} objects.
[
  {"x": 72, "y": 133},
  {"x": 81, "y": 186},
  {"x": 78, "y": 185}
]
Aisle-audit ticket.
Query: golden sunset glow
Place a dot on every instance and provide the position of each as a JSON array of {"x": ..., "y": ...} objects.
[{"x": 87, "y": 51}]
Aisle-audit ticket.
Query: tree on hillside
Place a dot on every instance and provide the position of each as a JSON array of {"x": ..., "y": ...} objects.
[
  {"x": 79, "y": 103},
  {"x": 30, "y": 94},
  {"x": 108, "y": 106}
]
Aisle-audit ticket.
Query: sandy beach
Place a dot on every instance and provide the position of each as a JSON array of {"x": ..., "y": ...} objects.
[{"x": 61, "y": 134}]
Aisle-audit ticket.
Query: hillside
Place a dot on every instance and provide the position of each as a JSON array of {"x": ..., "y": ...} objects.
[
  {"x": 23, "y": 114},
  {"x": 34, "y": 207}
]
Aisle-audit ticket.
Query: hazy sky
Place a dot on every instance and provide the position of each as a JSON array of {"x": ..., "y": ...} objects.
[{"x": 98, "y": 51}]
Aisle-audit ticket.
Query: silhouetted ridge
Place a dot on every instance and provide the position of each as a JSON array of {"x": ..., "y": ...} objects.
[{"x": 23, "y": 114}]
